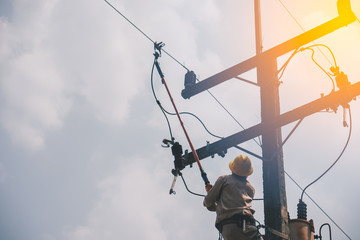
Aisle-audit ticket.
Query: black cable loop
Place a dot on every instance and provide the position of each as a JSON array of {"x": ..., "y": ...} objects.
[
  {"x": 191, "y": 114},
  {"x": 332, "y": 165},
  {"x": 196, "y": 194}
]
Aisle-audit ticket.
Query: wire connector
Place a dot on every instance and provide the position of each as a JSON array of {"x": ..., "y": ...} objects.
[
  {"x": 341, "y": 78},
  {"x": 158, "y": 47}
]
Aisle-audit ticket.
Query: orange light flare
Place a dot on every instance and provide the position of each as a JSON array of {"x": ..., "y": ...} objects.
[{"x": 302, "y": 74}]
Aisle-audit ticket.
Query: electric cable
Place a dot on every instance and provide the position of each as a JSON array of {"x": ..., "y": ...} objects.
[
  {"x": 187, "y": 113},
  {"x": 284, "y": 66},
  {"x": 157, "y": 54},
  {"x": 231, "y": 115},
  {"x": 322, "y": 210},
  {"x": 282, "y": 69},
  {"x": 170, "y": 113},
  {"x": 143, "y": 33},
  {"x": 224, "y": 107},
  {"x": 332, "y": 165},
  {"x": 323, "y": 45},
  {"x": 196, "y": 194},
  {"x": 295, "y": 182},
  {"x": 201, "y": 122},
  {"x": 312, "y": 57},
  {"x": 158, "y": 102}
]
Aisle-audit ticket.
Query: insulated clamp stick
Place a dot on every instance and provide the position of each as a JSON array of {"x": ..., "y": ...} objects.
[{"x": 157, "y": 47}]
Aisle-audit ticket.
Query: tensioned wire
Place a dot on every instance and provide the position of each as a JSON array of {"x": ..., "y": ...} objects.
[
  {"x": 212, "y": 94},
  {"x": 172, "y": 57}
]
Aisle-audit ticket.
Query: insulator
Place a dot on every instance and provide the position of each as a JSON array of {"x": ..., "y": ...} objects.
[
  {"x": 190, "y": 79},
  {"x": 342, "y": 80},
  {"x": 302, "y": 210},
  {"x": 177, "y": 149}
]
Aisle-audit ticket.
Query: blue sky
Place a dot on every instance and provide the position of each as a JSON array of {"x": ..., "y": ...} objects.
[{"x": 80, "y": 132}]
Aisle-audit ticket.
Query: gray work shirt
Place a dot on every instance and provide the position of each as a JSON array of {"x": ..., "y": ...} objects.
[{"x": 230, "y": 195}]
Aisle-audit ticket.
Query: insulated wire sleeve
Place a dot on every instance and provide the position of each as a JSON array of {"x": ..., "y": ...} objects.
[
  {"x": 196, "y": 194},
  {"x": 332, "y": 165}
]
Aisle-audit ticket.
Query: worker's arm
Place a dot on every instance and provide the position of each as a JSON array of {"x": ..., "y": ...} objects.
[{"x": 213, "y": 195}]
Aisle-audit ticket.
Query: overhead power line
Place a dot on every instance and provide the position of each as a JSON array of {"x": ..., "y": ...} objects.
[
  {"x": 143, "y": 33},
  {"x": 151, "y": 40},
  {"x": 303, "y": 189},
  {"x": 287, "y": 174},
  {"x": 332, "y": 165}
]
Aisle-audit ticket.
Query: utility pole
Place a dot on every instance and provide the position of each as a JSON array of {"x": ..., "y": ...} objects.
[{"x": 275, "y": 205}]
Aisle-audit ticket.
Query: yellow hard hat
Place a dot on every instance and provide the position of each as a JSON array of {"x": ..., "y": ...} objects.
[{"x": 241, "y": 166}]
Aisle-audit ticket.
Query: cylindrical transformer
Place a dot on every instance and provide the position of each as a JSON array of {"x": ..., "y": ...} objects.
[{"x": 301, "y": 229}]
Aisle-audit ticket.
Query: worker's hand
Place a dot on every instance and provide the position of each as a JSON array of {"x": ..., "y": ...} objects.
[{"x": 208, "y": 187}]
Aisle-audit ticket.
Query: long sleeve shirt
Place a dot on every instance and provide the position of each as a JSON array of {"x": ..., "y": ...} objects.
[{"x": 230, "y": 195}]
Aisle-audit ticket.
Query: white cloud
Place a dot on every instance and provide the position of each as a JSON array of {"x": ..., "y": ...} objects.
[
  {"x": 129, "y": 200},
  {"x": 134, "y": 203},
  {"x": 48, "y": 58},
  {"x": 33, "y": 93}
]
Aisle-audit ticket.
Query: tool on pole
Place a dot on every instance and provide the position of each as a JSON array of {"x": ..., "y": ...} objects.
[{"x": 157, "y": 54}]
